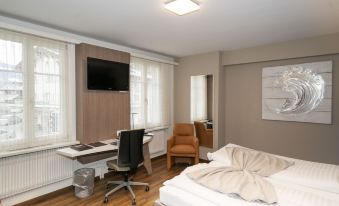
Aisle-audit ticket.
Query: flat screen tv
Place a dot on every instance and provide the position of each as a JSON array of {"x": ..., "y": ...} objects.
[{"x": 107, "y": 75}]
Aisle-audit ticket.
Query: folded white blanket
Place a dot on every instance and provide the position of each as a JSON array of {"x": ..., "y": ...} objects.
[
  {"x": 311, "y": 174},
  {"x": 287, "y": 194},
  {"x": 245, "y": 176}
]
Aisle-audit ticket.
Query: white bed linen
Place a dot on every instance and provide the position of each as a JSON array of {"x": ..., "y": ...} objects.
[
  {"x": 311, "y": 174},
  {"x": 288, "y": 194},
  {"x": 172, "y": 196}
]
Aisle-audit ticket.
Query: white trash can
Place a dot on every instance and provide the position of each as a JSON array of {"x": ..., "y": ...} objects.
[{"x": 83, "y": 182}]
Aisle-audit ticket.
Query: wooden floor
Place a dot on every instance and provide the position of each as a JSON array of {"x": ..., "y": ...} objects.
[{"x": 65, "y": 197}]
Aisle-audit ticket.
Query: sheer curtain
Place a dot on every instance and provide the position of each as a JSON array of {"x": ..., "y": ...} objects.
[
  {"x": 198, "y": 98},
  {"x": 32, "y": 91},
  {"x": 150, "y": 92}
]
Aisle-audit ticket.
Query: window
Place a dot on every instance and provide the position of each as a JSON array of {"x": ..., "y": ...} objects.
[
  {"x": 33, "y": 91},
  {"x": 198, "y": 98},
  {"x": 150, "y": 93}
]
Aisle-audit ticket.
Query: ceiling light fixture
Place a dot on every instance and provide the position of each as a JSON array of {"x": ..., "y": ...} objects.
[{"x": 182, "y": 7}]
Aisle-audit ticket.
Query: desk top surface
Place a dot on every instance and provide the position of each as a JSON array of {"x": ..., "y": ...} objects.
[{"x": 68, "y": 152}]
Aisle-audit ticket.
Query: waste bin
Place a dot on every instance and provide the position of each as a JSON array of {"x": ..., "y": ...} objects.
[{"x": 83, "y": 182}]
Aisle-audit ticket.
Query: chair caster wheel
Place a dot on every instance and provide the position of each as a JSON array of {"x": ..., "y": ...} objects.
[
  {"x": 147, "y": 188},
  {"x": 134, "y": 202},
  {"x": 106, "y": 200}
]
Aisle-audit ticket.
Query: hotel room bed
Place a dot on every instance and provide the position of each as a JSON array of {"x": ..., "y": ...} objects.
[{"x": 303, "y": 184}]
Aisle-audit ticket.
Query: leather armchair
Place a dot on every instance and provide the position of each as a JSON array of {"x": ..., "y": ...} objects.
[
  {"x": 183, "y": 143},
  {"x": 204, "y": 135}
]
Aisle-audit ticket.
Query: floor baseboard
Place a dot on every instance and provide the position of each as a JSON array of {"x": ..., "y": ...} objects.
[{"x": 34, "y": 193}]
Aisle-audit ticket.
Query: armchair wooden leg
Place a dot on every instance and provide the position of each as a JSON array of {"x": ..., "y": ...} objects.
[
  {"x": 196, "y": 159},
  {"x": 169, "y": 161}
]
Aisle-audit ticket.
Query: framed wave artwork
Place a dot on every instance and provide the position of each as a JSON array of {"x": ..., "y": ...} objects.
[{"x": 300, "y": 92}]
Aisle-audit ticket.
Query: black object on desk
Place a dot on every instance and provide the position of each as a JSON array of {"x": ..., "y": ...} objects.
[
  {"x": 115, "y": 142},
  {"x": 97, "y": 144},
  {"x": 81, "y": 147},
  {"x": 209, "y": 125}
]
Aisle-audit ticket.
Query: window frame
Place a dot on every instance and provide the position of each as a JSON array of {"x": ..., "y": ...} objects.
[
  {"x": 67, "y": 104},
  {"x": 198, "y": 98},
  {"x": 145, "y": 83}
]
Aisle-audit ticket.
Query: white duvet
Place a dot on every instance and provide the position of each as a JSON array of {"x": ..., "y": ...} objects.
[
  {"x": 172, "y": 196},
  {"x": 310, "y": 174},
  {"x": 288, "y": 194}
]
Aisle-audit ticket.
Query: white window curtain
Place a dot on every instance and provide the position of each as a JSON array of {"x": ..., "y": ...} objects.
[
  {"x": 33, "y": 91},
  {"x": 198, "y": 98},
  {"x": 150, "y": 93}
]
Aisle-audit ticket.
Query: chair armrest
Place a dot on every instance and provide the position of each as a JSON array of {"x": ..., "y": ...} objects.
[
  {"x": 170, "y": 143},
  {"x": 196, "y": 146},
  {"x": 195, "y": 142}
]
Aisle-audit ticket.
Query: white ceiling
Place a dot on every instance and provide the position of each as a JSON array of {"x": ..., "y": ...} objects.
[{"x": 219, "y": 25}]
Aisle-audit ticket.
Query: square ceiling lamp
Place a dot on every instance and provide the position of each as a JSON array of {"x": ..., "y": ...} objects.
[{"x": 182, "y": 7}]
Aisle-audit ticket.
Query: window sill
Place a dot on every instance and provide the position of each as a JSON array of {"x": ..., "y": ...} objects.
[
  {"x": 156, "y": 129},
  {"x": 36, "y": 149}
]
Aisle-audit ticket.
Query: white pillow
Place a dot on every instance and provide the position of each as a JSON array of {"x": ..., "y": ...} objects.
[
  {"x": 221, "y": 155},
  {"x": 310, "y": 174}
]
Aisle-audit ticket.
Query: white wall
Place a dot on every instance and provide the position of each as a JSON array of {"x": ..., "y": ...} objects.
[{"x": 26, "y": 27}]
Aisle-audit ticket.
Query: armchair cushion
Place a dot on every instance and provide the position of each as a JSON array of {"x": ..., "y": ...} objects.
[
  {"x": 183, "y": 149},
  {"x": 184, "y": 140}
]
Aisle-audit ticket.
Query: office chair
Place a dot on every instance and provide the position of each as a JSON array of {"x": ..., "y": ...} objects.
[{"x": 130, "y": 156}]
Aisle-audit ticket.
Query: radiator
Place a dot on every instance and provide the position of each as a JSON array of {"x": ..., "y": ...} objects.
[
  {"x": 29, "y": 171},
  {"x": 25, "y": 172},
  {"x": 158, "y": 143}
]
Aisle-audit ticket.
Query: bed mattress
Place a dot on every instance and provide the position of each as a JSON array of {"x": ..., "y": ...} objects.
[{"x": 183, "y": 191}]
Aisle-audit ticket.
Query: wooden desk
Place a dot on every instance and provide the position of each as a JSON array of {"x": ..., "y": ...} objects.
[{"x": 106, "y": 151}]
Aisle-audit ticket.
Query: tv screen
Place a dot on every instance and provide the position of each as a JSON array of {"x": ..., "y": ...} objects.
[{"x": 107, "y": 75}]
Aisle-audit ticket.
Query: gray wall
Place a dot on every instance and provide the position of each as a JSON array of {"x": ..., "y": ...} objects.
[
  {"x": 314, "y": 46},
  {"x": 237, "y": 98},
  {"x": 244, "y": 126},
  {"x": 203, "y": 64}
]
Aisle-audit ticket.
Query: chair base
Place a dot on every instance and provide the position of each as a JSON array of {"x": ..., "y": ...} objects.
[{"x": 125, "y": 184}]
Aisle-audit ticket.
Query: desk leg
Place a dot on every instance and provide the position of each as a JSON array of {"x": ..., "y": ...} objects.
[{"x": 147, "y": 159}]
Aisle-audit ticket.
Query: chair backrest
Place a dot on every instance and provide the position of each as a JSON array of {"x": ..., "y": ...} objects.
[
  {"x": 183, "y": 129},
  {"x": 183, "y": 133},
  {"x": 130, "y": 153},
  {"x": 200, "y": 130}
]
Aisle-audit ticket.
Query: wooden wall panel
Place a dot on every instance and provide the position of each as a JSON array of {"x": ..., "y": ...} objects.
[{"x": 99, "y": 113}]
